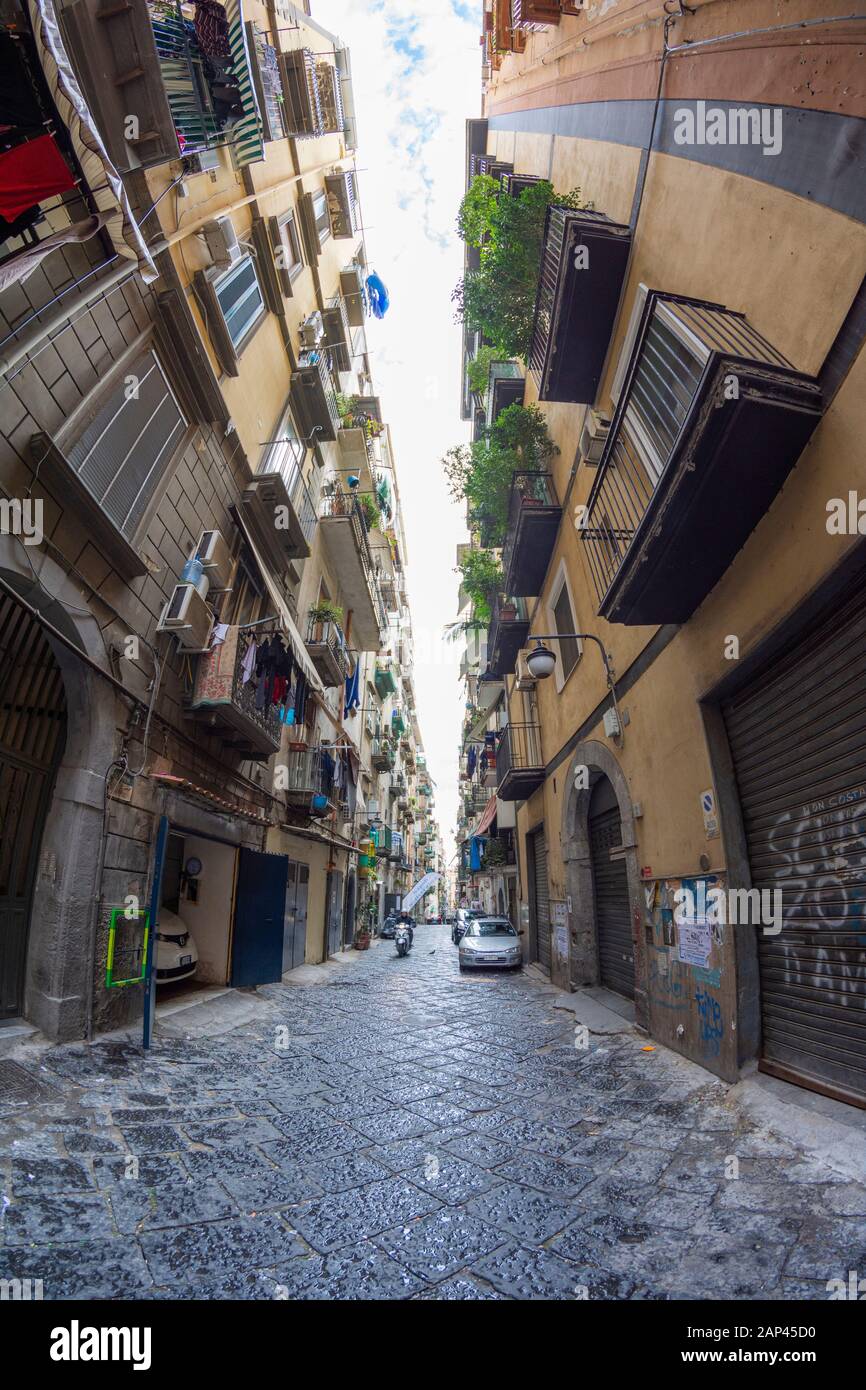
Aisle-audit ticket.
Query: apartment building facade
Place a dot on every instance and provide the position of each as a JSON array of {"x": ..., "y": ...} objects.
[
  {"x": 688, "y": 772},
  {"x": 202, "y": 560}
]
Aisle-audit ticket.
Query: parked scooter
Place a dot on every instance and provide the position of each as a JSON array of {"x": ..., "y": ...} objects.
[{"x": 403, "y": 937}]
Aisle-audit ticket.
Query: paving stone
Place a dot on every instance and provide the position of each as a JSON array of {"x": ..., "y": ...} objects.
[
  {"x": 140, "y": 1206},
  {"x": 394, "y": 1124},
  {"x": 532, "y": 1274},
  {"x": 347, "y": 1171},
  {"x": 459, "y": 1288},
  {"x": 485, "y": 1150},
  {"x": 311, "y": 1134},
  {"x": 41, "y": 1175},
  {"x": 41, "y": 1218},
  {"x": 533, "y": 1217},
  {"x": 552, "y": 1175},
  {"x": 360, "y": 1273},
  {"x": 191, "y": 1253},
  {"x": 450, "y": 1179},
  {"x": 343, "y": 1218},
  {"x": 88, "y": 1270},
  {"x": 440, "y": 1244},
  {"x": 230, "y": 1133},
  {"x": 152, "y": 1139}
]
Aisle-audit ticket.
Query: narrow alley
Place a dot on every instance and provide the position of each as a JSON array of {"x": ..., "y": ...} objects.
[{"x": 405, "y": 1131}]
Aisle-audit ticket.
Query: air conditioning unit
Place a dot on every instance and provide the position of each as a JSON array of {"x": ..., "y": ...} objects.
[
  {"x": 370, "y": 726},
  {"x": 593, "y": 436},
  {"x": 222, "y": 241},
  {"x": 213, "y": 551},
  {"x": 187, "y": 616},
  {"x": 312, "y": 330},
  {"x": 525, "y": 681}
]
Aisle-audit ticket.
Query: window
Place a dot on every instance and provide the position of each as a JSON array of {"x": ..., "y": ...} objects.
[
  {"x": 562, "y": 616},
  {"x": 240, "y": 299},
  {"x": 124, "y": 451},
  {"x": 290, "y": 245},
  {"x": 286, "y": 453},
  {"x": 320, "y": 215}
]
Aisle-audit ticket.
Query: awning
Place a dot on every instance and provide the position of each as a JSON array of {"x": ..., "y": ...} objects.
[
  {"x": 487, "y": 816},
  {"x": 247, "y": 143},
  {"x": 103, "y": 180},
  {"x": 203, "y": 796},
  {"x": 489, "y": 695},
  {"x": 287, "y": 622}
]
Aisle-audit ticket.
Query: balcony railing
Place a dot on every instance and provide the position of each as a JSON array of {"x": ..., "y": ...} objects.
[
  {"x": 509, "y": 626},
  {"x": 582, "y": 269},
  {"x": 313, "y": 397},
  {"x": 382, "y": 754},
  {"x": 329, "y": 654},
  {"x": 225, "y": 701},
  {"x": 310, "y": 781},
  {"x": 710, "y": 422},
  {"x": 280, "y": 506},
  {"x": 534, "y": 514},
  {"x": 355, "y": 566},
  {"x": 505, "y": 386},
  {"x": 519, "y": 763}
]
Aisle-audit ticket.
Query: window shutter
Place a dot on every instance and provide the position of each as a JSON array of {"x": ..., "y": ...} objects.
[{"x": 123, "y": 453}]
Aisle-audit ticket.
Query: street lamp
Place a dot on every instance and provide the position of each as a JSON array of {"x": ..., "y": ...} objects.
[{"x": 541, "y": 662}]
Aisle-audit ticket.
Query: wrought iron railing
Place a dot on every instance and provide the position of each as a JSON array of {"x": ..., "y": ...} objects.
[
  {"x": 519, "y": 748},
  {"x": 185, "y": 71},
  {"x": 662, "y": 383},
  {"x": 342, "y": 503},
  {"x": 310, "y": 771},
  {"x": 244, "y": 698},
  {"x": 327, "y": 633},
  {"x": 533, "y": 488}
]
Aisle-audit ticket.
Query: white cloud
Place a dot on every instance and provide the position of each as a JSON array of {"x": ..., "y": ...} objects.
[{"x": 416, "y": 75}]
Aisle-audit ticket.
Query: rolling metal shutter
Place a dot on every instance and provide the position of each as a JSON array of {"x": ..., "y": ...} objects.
[
  {"x": 612, "y": 913},
  {"x": 542, "y": 900},
  {"x": 798, "y": 739}
]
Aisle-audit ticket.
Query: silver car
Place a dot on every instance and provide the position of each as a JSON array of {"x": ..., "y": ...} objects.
[{"x": 490, "y": 943}]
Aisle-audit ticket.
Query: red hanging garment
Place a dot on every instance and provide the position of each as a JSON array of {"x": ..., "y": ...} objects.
[{"x": 30, "y": 172}]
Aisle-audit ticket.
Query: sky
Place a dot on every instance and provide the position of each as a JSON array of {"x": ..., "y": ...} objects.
[{"x": 416, "y": 77}]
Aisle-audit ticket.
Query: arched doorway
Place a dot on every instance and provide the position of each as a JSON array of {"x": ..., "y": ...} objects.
[
  {"x": 610, "y": 891},
  {"x": 32, "y": 739},
  {"x": 599, "y": 847}
]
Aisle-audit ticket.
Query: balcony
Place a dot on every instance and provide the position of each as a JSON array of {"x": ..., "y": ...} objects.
[
  {"x": 537, "y": 14},
  {"x": 338, "y": 337},
  {"x": 509, "y": 625},
  {"x": 342, "y": 203},
  {"x": 710, "y": 422},
  {"x": 382, "y": 754},
  {"x": 313, "y": 398},
  {"x": 384, "y": 842},
  {"x": 500, "y": 852},
  {"x": 344, "y": 535},
  {"x": 582, "y": 267},
  {"x": 223, "y": 702},
  {"x": 385, "y": 679},
  {"x": 519, "y": 764},
  {"x": 280, "y": 508},
  {"x": 310, "y": 781},
  {"x": 328, "y": 651},
  {"x": 515, "y": 184},
  {"x": 153, "y": 87},
  {"x": 534, "y": 514},
  {"x": 506, "y": 385}
]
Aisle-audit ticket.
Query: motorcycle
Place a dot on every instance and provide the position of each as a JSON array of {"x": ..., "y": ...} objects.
[{"x": 403, "y": 939}]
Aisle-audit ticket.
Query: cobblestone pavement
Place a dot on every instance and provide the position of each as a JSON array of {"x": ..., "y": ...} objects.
[{"x": 414, "y": 1134}]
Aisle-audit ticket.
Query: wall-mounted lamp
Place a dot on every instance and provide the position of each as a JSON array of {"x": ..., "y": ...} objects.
[{"x": 541, "y": 663}]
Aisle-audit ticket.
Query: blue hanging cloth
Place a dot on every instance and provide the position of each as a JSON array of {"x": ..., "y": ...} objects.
[
  {"x": 377, "y": 296},
  {"x": 476, "y": 850},
  {"x": 353, "y": 697}
]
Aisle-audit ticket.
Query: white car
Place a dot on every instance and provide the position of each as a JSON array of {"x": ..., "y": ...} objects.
[
  {"x": 176, "y": 953},
  {"x": 490, "y": 943}
]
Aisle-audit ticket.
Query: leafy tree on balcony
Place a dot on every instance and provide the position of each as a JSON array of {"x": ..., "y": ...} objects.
[
  {"x": 481, "y": 473},
  {"x": 498, "y": 298},
  {"x": 481, "y": 577}
]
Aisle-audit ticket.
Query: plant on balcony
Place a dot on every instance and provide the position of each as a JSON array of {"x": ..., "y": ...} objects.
[
  {"x": 481, "y": 578},
  {"x": 370, "y": 510},
  {"x": 498, "y": 298},
  {"x": 494, "y": 853},
  {"x": 326, "y": 612},
  {"x": 481, "y": 473},
  {"x": 478, "y": 370}
]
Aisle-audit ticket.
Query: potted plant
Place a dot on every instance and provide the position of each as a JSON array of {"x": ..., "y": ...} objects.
[
  {"x": 507, "y": 611},
  {"x": 370, "y": 510},
  {"x": 321, "y": 613},
  {"x": 362, "y": 939}
]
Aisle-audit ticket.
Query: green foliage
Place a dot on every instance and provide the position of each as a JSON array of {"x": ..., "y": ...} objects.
[
  {"x": 478, "y": 370},
  {"x": 477, "y": 216},
  {"x": 372, "y": 515},
  {"x": 326, "y": 612},
  {"x": 481, "y": 473},
  {"x": 481, "y": 576},
  {"x": 499, "y": 297}
]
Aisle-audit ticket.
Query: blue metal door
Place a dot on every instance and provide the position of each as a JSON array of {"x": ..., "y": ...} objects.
[{"x": 260, "y": 909}]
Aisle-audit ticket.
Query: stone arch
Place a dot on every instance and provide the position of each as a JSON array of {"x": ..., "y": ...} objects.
[
  {"x": 57, "y": 982},
  {"x": 583, "y": 945}
]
